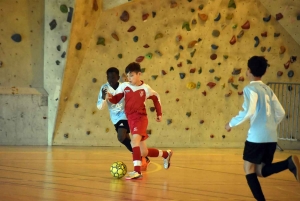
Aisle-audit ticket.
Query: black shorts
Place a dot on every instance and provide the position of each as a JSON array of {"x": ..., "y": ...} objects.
[
  {"x": 122, "y": 124},
  {"x": 258, "y": 153}
]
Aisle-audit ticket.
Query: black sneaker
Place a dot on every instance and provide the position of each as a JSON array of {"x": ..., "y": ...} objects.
[{"x": 294, "y": 166}]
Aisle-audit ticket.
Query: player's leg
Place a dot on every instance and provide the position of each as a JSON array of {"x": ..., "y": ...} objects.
[
  {"x": 123, "y": 130},
  {"x": 136, "y": 156}
]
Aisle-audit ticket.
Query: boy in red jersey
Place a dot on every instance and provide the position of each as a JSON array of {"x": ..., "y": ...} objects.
[{"x": 136, "y": 92}]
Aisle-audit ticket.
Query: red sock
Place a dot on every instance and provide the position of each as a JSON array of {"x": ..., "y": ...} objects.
[
  {"x": 165, "y": 154},
  {"x": 136, "y": 156},
  {"x": 153, "y": 152}
]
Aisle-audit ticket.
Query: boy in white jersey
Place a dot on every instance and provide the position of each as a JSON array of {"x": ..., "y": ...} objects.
[
  {"x": 265, "y": 112},
  {"x": 135, "y": 93},
  {"x": 117, "y": 114}
]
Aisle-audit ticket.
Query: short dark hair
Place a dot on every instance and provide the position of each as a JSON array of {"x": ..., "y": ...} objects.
[
  {"x": 112, "y": 70},
  {"x": 133, "y": 67},
  {"x": 258, "y": 65}
]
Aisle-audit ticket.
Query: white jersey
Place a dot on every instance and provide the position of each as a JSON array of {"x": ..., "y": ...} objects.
[{"x": 116, "y": 111}]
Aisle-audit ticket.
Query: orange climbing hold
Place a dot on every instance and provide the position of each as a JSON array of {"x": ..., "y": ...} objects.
[
  {"x": 282, "y": 50},
  {"x": 192, "y": 44},
  {"x": 246, "y": 25},
  {"x": 203, "y": 17},
  {"x": 230, "y": 80},
  {"x": 173, "y": 4},
  {"x": 233, "y": 40},
  {"x": 115, "y": 36},
  {"x": 204, "y": 93},
  {"x": 229, "y": 93}
]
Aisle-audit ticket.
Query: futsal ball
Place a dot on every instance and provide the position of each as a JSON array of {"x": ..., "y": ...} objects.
[{"x": 118, "y": 169}]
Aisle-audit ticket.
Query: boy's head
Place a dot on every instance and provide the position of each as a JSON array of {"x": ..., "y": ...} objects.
[
  {"x": 133, "y": 72},
  {"x": 112, "y": 75},
  {"x": 257, "y": 66}
]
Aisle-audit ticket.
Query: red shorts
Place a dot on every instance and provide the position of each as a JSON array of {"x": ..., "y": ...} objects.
[{"x": 138, "y": 125}]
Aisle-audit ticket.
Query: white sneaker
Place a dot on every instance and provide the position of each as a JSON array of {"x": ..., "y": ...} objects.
[
  {"x": 167, "y": 162},
  {"x": 134, "y": 175}
]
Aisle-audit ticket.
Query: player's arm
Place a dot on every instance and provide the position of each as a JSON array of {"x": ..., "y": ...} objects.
[
  {"x": 117, "y": 95},
  {"x": 279, "y": 111},
  {"x": 101, "y": 98},
  {"x": 249, "y": 107},
  {"x": 153, "y": 95}
]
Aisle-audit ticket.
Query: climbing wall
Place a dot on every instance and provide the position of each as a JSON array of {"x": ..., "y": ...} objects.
[{"x": 193, "y": 53}]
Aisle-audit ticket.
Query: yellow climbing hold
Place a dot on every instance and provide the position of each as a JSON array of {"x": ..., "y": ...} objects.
[{"x": 191, "y": 85}]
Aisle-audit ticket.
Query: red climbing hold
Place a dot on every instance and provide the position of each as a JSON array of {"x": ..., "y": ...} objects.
[
  {"x": 233, "y": 40},
  {"x": 145, "y": 16},
  {"x": 140, "y": 59},
  {"x": 131, "y": 29},
  {"x": 211, "y": 84},
  {"x": 279, "y": 16},
  {"x": 125, "y": 16},
  {"x": 246, "y": 25},
  {"x": 204, "y": 93},
  {"x": 264, "y": 34},
  {"x": 146, "y": 46}
]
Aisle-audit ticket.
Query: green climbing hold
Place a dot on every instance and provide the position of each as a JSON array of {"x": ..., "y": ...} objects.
[
  {"x": 154, "y": 77},
  {"x": 101, "y": 41},
  {"x": 171, "y": 68},
  {"x": 177, "y": 56},
  {"x": 186, "y": 26},
  {"x": 188, "y": 61},
  {"x": 216, "y": 33},
  {"x": 135, "y": 38},
  {"x": 120, "y": 56},
  {"x": 192, "y": 53},
  {"x": 235, "y": 85},
  {"x": 234, "y": 26},
  {"x": 217, "y": 78},
  {"x": 231, "y": 4},
  {"x": 198, "y": 85},
  {"x": 143, "y": 70},
  {"x": 225, "y": 56},
  {"x": 149, "y": 56},
  {"x": 63, "y": 8},
  {"x": 200, "y": 70},
  {"x": 159, "y": 35}
]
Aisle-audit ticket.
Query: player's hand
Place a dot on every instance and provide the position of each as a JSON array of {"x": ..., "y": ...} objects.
[
  {"x": 104, "y": 91},
  {"x": 158, "y": 119},
  {"x": 227, "y": 127},
  {"x": 108, "y": 95}
]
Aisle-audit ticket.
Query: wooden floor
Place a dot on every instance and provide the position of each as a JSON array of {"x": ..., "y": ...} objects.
[{"x": 82, "y": 174}]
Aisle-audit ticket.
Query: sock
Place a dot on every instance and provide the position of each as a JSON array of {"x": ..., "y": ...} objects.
[
  {"x": 255, "y": 188},
  {"x": 270, "y": 169},
  {"x": 127, "y": 144},
  {"x": 136, "y": 156},
  {"x": 155, "y": 153}
]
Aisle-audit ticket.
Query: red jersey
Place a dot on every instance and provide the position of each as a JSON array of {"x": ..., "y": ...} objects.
[{"x": 135, "y": 97}]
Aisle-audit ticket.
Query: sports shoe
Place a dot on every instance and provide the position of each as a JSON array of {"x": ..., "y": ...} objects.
[
  {"x": 145, "y": 163},
  {"x": 294, "y": 166},
  {"x": 134, "y": 175},
  {"x": 168, "y": 159}
]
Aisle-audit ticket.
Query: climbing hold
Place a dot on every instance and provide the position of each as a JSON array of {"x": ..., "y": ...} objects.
[
  {"x": 16, "y": 37},
  {"x": 66, "y": 135},
  {"x": 256, "y": 41},
  {"x": 63, "y": 54},
  {"x": 154, "y": 77},
  {"x": 173, "y": 4},
  {"x": 94, "y": 80},
  {"x": 88, "y": 132},
  {"x": 57, "y": 62},
  {"x": 267, "y": 19},
  {"x": 149, "y": 56},
  {"x": 186, "y": 26},
  {"x": 233, "y": 40},
  {"x": 203, "y": 17},
  {"x": 76, "y": 105},
  {"x": 95, "y": 5},
  {"x": 159, "y": 35},
  {"x": 218, "y": 17},
  {"x": 216, "y": 33},
  {"x": 276, "y": 35},
  {"x": 179, "y": 65},
  {"x": 201, "y": 121},
  {"x": 279, "y": 16},
  {"x": 192, "y": 44},
  {"x": 190, "y": 0},
  {"x": 171, "y": 68},
  {"x": 240, "y": 34},
  {"x": 163, "y": 72},
  {"x": 181, "y": 47},
  {"x": 269, "y": 49},
  {"x": 199, "y": 39},
  {"x": 193, "y": 70},
  {"x": 298, "y": 17},
  {"x": 231, "y": 4},
  {"x": 211, "y": 136},
  {"x": 177, "y": 99},
  {"x": 279, "y": 73},
  {"x": 101, "y": 41},
  {"x": 78, "y": 46},
  {"x": 287, "y": 64},
  {"x": 146, "y": 46},
  {"x": 246, "y": 25},
  {"x": 131, "y": 29},
  {"x": 264, "y": 34},
  {"x": 263, "y": 49},
  {"x": 198, "y": 85},
  {"x": 52, "y": 24},
  {"x": 204, "y": 93},
  {"x": 240, "y": 93},
  {"x": 182, "y": 75},
  {"x": 143, "y": 70},
  {"x": 293, "y": 59},
  {"x": 187, "y": 128},
  {"x": 231, "y": 80},
  {"x": 120, "y": 56},
  {"x": 194, "y": 21},
  {"x": 234, "y": 26},
  {"x": 58, "y": 48},
  {"x": 192, "y": 10},
  {"x": 282, "y": 50},
  {"x": 229, "y": 16},
  {"x": 145, "y": 17},
  {"x": 212, "y": 70},
  {"x": 107, "y": 130},
  {"x": 188, "y": 114},
  {"x": 115, "y": 36},
  {"x": 169, "y": 121},
  {"x": 225, "y": 56},
  {"x": 213, "y": 56},
  {"x": 125, "y": 16},
  {"x": 236, "y": 71},
  {"x": 188, "y": 61},
  {"x": 200, "y": 7},
  {"x": 235, "y": 85},
  {"x": 158, "y": 53},
  {"x": 228, "y": 94},
  {"x": 64, "y": 38},
  {"x": 219, "y": 63},
  {"x": 63, "y": 8},
  {"x": 152, "y": 109},
  {"x": 214, "y": 47},
  {"x": 241, "y": 78},
  {"x": 290, "y": 73},
  {"x": 200, "y": 70},
  {"x": 191, "y": 85},
  {"x": 192, "y": 53},
  {"x": 139, "y": 59},
  {"x": 148, "y": 132},
  {"x": 223, "y": 136},
  {"x": 223, "y": 86},
  {"x": 1, "y": 63},
  {"x": 178, "y": 38},
  {"x": 153, "y": 14},
  {"x": 211, "y": 84},
  {"x": 290, "y": 88},
  {"x": 217, "y": 78}
]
